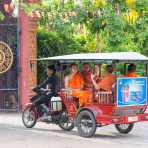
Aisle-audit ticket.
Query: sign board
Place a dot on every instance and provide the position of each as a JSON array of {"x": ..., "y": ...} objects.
[{"x": 131, "y": 91}]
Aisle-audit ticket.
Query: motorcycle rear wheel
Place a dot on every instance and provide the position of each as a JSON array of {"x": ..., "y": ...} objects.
[{"x": 65, "y": 123}]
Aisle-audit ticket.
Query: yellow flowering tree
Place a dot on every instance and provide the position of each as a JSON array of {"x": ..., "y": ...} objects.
[
  {"x": 130, "y": 3},
  {"x": 131, "y": 16}
]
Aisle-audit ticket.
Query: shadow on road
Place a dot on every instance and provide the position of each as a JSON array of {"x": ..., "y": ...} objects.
[
  {"x": 107, "y": 135},
  {"x": 101, "y": 134}
]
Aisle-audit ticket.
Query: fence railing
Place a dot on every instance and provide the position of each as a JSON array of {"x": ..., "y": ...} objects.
[{"x": 9, "y": 100}]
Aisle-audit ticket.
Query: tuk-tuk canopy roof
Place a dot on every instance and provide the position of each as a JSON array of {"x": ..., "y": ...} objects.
[{"x": 114, "y": 56}]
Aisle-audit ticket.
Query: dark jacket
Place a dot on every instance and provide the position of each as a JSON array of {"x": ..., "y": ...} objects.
[{"x": 52, "y": 82}]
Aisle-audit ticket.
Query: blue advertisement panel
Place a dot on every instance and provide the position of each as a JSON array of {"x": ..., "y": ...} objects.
[{"x": 131, "y": 91}]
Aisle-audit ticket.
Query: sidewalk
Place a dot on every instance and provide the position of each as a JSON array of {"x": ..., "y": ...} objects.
[{"x": 13, "y": 119}]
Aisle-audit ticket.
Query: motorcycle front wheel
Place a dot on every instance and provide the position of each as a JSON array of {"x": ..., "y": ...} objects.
[{"x": 29, "y": 117}]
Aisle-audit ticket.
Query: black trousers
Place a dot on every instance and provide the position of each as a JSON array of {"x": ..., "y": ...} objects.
[{"x": 43, "y": 99}]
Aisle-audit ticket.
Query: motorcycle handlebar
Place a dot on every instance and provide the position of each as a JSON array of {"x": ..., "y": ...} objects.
[{"x": 41, "y": 91}]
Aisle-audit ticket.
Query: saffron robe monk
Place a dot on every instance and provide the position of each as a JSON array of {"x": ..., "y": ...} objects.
[
  {"x": 86, "y": 74},
  {"x": 75, "y": 82},
  {"x": 131, "y": 71},
  {"x": 97, "y": 77},
  {"x": 107, "y": 81}
]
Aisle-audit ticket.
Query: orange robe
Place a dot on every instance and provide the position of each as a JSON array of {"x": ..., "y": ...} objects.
[
  {"x": 107, "y": 82},
  {"x": 88, "y": 85},
  {"x": 131, "y": 74},
  {"x": 76, "y": 82}
]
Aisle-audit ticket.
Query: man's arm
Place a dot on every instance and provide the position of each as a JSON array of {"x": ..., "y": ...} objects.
[
  {"x": 42, "y": 85},
  {"x": 66, "y": 80},
  {"x": 94, "y": 82}
]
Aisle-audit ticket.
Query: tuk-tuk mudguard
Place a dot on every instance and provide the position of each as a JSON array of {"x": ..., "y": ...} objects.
[{"x": 92, "y": 108}]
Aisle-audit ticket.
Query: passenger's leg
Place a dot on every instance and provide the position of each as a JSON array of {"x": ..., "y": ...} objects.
[{"x": 85, "y": 98}]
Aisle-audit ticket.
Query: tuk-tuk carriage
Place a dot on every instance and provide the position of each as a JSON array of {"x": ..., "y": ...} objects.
[{"x": 122, "y": 106}]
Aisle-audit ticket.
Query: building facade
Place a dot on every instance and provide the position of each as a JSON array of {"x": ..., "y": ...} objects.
[{"x": 18, "y": 72}]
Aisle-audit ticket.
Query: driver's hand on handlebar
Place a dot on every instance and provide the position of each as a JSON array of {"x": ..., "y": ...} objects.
[
  {"x": 44, "y": 89},
  {"x": 34, "y": 89}
]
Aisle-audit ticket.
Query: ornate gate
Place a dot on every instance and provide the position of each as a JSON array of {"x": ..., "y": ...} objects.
[{"x": 8, "y": 59}]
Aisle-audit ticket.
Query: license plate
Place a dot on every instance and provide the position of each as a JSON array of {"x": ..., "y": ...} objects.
[{"x": 132, "y": 119}]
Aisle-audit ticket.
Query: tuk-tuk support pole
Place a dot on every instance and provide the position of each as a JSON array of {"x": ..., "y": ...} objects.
[
  {"x": 147, "y": 70},
  {"x": 125, "y": 68}
]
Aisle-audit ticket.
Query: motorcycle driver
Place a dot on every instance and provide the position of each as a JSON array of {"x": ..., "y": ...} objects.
[{"x": 50, "y": 87}]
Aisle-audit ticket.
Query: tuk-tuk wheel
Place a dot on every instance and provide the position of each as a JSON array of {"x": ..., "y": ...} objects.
[
  {"x": 124, "y": 128},
  {"x": 86, "y": 124}
]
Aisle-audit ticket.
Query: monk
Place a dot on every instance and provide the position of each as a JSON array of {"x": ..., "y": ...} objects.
[
  {"x": 75, "y": 82},
  {"x": 86, "y": 74},
  {"x": 131, "y": 71},
  {"x": 97, "y": 77},
  {"x": 107, "y": 81}
]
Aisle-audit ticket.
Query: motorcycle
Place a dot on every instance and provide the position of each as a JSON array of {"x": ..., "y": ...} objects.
[{"x": 57, "y": 113}]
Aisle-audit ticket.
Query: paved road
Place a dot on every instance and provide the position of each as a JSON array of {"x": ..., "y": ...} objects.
[{"x": 51, "y": 136}]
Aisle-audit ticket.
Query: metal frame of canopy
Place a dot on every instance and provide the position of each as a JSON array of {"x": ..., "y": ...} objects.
[
  {"x": 125, "y": 57},
  {"x": 99, "y": 58}
]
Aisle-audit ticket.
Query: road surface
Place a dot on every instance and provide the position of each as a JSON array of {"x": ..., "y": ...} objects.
[{"x": 51, "y": 136}]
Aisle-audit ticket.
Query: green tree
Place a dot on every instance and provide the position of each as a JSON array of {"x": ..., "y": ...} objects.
[{"x": 92, "y": 25}]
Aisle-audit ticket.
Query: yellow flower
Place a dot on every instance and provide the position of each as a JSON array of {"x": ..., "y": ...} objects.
[
  {"x": 131, "y": 16},
  {"x": 130, "y": 3},
  {"x": 99, "y": 3}
]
